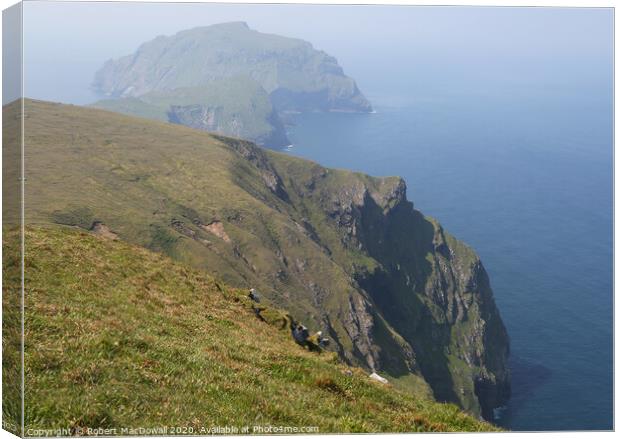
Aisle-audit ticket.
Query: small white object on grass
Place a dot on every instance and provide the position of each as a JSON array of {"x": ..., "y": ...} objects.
[{"x": 375, "y": 376}]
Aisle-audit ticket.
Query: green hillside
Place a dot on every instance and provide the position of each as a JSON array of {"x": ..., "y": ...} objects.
[
  {"x": 237, "y": 107},
  {"x": 341, "y": 251},
  {"x": 119, "y": 336}
]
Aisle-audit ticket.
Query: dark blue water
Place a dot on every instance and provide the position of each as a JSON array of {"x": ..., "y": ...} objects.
[{"x": 524, "y": 175}]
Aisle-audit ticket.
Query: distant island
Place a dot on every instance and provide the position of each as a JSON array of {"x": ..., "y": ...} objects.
[{"x": 229, "y": 79}]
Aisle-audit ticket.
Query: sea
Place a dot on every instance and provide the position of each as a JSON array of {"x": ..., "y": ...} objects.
[{"x": 523, "y": 173}]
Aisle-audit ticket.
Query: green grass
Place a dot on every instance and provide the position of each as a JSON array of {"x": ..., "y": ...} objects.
[
  {"x": 240, "y": 106},
  {"x": 11, "y": 330},
  {"x": 11, "y": 268},
  {"x": 118, "y": 336},
  {"x": 386, "y": 287}
]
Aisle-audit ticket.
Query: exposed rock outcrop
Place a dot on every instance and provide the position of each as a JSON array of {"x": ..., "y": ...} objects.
[
  {"x": 100, "y": 229},
  {"x": 217, "y": 229},
  {"x": 433, "y": 290}
]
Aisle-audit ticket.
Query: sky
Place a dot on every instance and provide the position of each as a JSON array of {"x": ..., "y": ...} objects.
[{"x": 65, "y": 43}]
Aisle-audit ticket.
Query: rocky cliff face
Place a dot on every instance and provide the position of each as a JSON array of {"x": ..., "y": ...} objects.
[
  {"x": 426, "y": 286},
  {"x": 214, "y": 119},
  {"x": 341, "y": 251},
  {"x": 433, "y": 290}
]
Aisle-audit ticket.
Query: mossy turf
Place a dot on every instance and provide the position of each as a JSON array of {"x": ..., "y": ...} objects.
[{"x": 119, "y": 336}]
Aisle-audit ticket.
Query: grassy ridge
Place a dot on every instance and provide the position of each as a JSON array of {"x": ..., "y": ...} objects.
[
  {"x": 118, "y": 336},
  {"x": 239, "y": 107}
]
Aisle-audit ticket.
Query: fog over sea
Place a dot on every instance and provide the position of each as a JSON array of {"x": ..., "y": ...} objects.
[{"x": 501, "y": 123}]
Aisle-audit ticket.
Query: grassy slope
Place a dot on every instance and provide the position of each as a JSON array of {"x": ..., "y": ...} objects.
[
  {"x": 118, "y": 336},
  {"x": 11, "y": 268},
  {"x": 243, "y": 107},
  {"x": 138, "y": 176},
  {"x": 154, "y": 184}
]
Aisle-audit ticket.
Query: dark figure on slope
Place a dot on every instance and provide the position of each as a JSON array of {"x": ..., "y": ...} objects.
[
  {"x": 254, "y": 297},
  {"x": 315, "y": 342}
]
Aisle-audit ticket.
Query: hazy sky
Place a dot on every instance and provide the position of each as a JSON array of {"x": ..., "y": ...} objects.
[{"x": 65, "y": 43}]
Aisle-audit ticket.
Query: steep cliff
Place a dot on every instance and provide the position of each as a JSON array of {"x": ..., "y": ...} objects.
[
  {"x": 427, "y": 286},
  {"x": 342, "y": 251}
]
